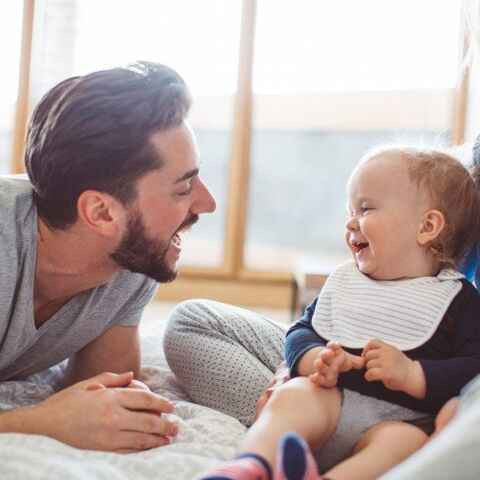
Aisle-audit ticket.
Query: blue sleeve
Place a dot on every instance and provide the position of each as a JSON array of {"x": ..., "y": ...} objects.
[
  {"x": 469, "y": 266},
  {"x": 446, "y": 377},
  {"x": 301, "y": 338}
]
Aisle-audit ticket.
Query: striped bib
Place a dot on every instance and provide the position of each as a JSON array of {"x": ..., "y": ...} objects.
[{"x": 353, "y": 309}]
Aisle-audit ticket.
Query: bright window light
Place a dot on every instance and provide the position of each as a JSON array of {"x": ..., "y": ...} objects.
[
  {"x": 10, "y": 34},
  {"x": 350, "y": 45},
  {"x": 178, "y": 33}
]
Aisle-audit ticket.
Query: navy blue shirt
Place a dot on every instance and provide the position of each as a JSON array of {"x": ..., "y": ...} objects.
[{"x": 450, "y": 359}]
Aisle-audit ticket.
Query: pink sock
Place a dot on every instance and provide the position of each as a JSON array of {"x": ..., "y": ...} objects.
[
  {"x": 294, "y": 461},
  {"x": 245, "y": 467}
]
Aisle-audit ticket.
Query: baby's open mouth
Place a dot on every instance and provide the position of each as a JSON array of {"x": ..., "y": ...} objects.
[{"x": 359, "y": 246}]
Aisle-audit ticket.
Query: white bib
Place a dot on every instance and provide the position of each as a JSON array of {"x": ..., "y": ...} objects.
[{"x": 353, "y": 309}]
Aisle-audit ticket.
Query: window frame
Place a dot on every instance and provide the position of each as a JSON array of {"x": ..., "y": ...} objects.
[{"x": 232, "y": 281}]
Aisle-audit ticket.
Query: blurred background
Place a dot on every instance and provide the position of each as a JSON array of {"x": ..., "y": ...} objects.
[{"x": 287, "y": 96}]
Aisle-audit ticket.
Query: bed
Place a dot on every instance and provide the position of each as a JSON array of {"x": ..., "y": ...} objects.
[{"x": 205, "y": 437}]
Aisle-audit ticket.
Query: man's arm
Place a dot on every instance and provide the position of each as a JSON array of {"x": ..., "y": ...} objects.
[
  {"x": 117, "y": 350},
  {"x": 98, "y": 414}
]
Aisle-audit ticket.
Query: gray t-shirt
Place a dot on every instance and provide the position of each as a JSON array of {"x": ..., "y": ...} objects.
[{"x": 24, "y": 349}]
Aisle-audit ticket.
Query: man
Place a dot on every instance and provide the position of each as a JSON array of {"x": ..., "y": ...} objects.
[{"x": 114, "y": 180}]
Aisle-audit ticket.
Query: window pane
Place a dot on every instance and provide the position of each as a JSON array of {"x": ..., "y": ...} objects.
[
  {"x": 331, "y": 80},
  {"x": 350, "y": 45},
  {"x": 10, "y": 35},
  {"x": 76, "y": 37}
]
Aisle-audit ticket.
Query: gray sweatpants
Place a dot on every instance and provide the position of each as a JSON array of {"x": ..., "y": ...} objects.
[{"x": 224, "y": 356}]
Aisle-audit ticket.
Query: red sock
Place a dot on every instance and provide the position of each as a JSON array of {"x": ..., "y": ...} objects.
[{"x": 244, "y": 467}]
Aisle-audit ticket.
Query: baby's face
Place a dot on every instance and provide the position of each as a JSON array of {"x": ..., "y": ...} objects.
[{"x": 385, "y": 210}]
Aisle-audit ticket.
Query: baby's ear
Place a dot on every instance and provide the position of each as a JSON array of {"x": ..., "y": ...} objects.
[{"x": 432, "y": 224}]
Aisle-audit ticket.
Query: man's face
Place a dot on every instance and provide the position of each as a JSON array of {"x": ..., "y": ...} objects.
[{"x": 169, "y": 200}]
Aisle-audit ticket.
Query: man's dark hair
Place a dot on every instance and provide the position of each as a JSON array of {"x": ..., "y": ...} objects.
[{"x": 93, "y": 132}]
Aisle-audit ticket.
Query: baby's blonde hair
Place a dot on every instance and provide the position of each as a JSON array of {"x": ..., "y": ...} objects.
[{"x": 452, "y": 188}]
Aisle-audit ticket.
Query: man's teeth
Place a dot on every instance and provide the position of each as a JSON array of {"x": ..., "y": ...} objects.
[{"x": 176, "y": 239}]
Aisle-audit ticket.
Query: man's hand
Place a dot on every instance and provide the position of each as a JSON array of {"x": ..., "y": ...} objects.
[
  {"x": 101, "y": 413},
  {"x": 280, "y": 376},
  {"x": 330, "y": 362},
  {"x": 393, "y": 368}
]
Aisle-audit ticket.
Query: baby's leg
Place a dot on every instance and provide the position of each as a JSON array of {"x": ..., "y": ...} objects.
[
  {"x": 297, "y": 406},
  {"x": 382, "y": 447}
]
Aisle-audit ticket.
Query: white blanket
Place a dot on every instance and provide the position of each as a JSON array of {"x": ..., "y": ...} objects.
[{"x": 205, "y": 436}]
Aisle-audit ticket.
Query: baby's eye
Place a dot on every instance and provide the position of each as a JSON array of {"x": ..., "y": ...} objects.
[{"x": 365, "y": 209}]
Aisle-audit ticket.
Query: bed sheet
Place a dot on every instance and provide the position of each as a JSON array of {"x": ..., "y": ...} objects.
[{"x": 205, "y": 437}]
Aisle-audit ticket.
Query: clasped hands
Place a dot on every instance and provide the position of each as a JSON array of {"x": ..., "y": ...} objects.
[
  {"x": 110, "y": 412},
  {"x": 382, "y": 362}
]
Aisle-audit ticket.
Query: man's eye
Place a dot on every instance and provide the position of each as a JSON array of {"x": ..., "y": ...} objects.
[{"x": 185, "y": 192}]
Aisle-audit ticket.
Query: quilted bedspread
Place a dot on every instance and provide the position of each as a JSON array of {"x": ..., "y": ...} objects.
[{"x": 205, "y": 436}]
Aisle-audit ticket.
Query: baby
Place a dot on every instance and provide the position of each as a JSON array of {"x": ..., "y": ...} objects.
[{"x": 393, "y": 335}]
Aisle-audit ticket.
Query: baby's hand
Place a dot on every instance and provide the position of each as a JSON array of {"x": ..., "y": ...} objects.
[
  {"x": 332, "y": 361},
  {"x": 393, "y": 368}
]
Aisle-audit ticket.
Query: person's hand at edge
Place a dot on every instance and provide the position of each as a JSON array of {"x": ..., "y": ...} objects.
[{"x": 99, "y": 413}]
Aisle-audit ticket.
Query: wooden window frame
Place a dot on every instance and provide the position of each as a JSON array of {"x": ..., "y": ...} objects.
[{"x": 232, "y": 282}]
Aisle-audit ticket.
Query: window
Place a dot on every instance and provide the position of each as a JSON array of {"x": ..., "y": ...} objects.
[
  {"x": 71, "y": 41},
  {"x": 332, "y": 79},
  {"x": 10, "y": 34}
]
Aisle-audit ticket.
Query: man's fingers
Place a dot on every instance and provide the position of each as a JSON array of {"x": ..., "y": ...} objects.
[
  {"x": 138, "y": 385},
  {"x": 112, "y": 380},
  {"x": 128, "y": 442},
  {"x": 151, "y": 423},
  {"x": 95, "y": 386},
  {"x": 135, "y": 399}
]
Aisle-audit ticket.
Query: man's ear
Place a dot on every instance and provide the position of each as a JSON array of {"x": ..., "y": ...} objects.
[
  {"x": 99, "y": 211},
  {"x": 432, "y": 224}
]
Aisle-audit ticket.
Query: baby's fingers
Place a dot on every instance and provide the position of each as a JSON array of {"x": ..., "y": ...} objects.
[
  {"x": 319, "y": 365},
  {"x": 333, "y": 345},
  {"x": 317, "y": 378},
  {"x": 373, "y": 374}
]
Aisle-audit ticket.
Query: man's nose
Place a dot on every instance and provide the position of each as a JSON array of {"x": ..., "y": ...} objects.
[{"x": 205, "y": 201}]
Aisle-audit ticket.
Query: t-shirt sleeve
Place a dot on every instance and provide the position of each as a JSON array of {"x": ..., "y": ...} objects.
[
  {"x": 137, "y": 299},
  {"x": 301, "y": 338},
  {"x": 445, "y": 378}
]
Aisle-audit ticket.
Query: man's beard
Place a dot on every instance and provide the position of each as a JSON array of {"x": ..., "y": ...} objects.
[{"x": 141, "y": 254}]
